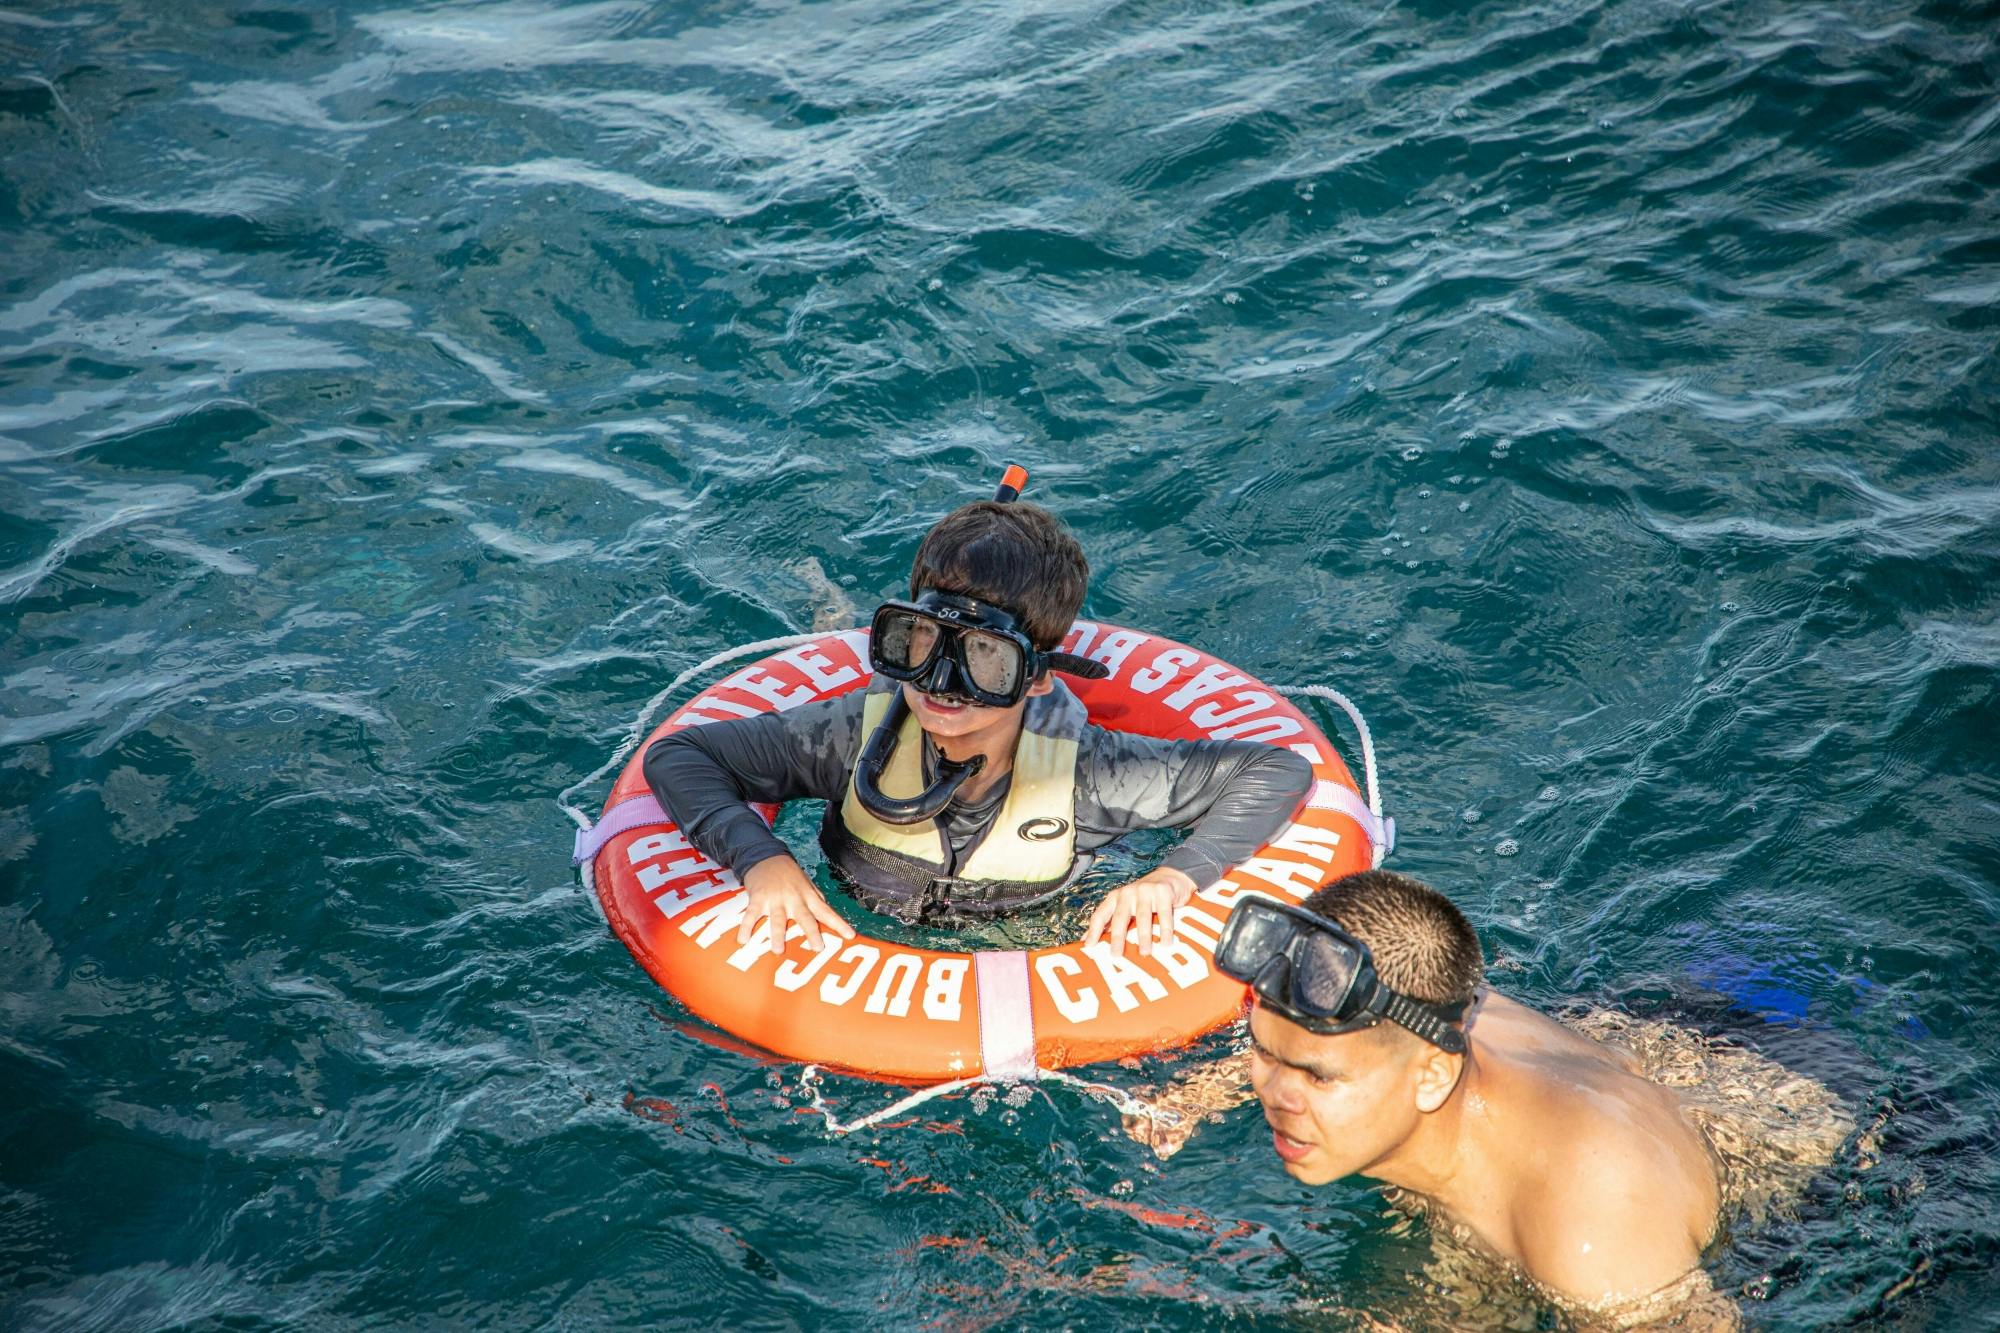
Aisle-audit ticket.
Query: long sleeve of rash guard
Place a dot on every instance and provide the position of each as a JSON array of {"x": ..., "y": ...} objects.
[
  {"x": 707, "y": 777},
  {"x": 1232, "y": 796}
]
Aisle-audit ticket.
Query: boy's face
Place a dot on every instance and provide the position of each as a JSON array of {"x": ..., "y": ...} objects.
[
  {"x": 956, "y": 719},
  {"x": 992, "y": 659}
]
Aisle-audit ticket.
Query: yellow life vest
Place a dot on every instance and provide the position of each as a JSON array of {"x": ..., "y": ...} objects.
[{"x": 1028, "y": 852}]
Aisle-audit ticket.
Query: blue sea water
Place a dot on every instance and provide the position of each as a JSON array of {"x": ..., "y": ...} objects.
[{"x": 1603, "y": 392}]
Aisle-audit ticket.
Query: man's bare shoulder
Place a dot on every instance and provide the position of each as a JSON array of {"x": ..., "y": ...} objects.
[
  {"x": 1501, "y": 1024},
  {"x": 1612, "y": 1214},
  {"x": 1612, "y": 1191}
]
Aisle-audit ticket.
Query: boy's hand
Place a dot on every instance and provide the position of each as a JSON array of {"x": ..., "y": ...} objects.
[
  {"x": 782, "y": 892},
  {"x": 1143, "y": 907}
]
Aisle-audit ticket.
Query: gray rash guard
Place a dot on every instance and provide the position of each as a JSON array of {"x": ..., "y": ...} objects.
[{"x": 1232, "y": 795}]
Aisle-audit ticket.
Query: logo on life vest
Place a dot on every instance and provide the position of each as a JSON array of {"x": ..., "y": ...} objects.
[{"x": 1044, "y": 829}]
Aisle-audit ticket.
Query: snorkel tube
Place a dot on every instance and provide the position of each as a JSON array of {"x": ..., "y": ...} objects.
[
  {"x": 881, "y": 747},
  {"x": 875, "y": 755}
]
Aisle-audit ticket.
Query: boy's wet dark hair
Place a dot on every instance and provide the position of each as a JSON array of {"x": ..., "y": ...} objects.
[
  {"x": 1017, "y": 556},
  {"x": 1423, "y": 946}
]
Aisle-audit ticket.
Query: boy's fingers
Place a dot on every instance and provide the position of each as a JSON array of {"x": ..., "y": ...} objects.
[
  {"x": 829, "y": 918},
  {"x": 1098, "y": 920},
  {"x": 1144, "y": 923}
]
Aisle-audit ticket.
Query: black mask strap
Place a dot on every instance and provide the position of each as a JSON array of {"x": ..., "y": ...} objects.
[
  {"x": 1070, "y": 664},
  {"x": 875, "y": 755},
  {"x": 1427, "y": 1021}
]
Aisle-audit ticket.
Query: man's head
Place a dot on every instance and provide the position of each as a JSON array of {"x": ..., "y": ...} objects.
[
  {"x": 1423, "y": 946},
  {"x": 1345, "y": 1104}
]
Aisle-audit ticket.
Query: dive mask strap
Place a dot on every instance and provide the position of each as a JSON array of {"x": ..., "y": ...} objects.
[
  {"x": 875, "y": 755},
  {"x": 1070, "y": 664},
  {"x": 1428, "y": 1021}
]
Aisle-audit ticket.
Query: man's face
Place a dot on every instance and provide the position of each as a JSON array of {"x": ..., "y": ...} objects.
[{"x": 1337, "y": 1106}]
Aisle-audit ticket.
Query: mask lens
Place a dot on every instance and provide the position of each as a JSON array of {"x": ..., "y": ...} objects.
[
  {"x": 891, "y": 640},
  {"x": 923, "y": 639},
  {"x": 903, "y": 642},
  {"x": 1322, "y": 975},
  {"x": 1299, "y": 968},
  {"x": 993, "y": 663},
  {"x": 1253, "y": 936}
]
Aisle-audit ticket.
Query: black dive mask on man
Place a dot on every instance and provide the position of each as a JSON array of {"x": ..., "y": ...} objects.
[{"x": 1307, "y": 969}]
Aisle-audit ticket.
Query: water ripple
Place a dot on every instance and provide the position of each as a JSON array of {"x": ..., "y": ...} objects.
[{"x": 392, "y": 397}]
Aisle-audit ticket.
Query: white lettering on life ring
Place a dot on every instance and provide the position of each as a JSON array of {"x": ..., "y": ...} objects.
[
  {"x": 712, "y": 885},
  {"x": 907, "y": 967},
  {"x": 944, "y": 989},
  {"x": 1121, "y": 975},
  {"x": 1306, "y": 840},
  {"x": 656, "y": 844},
  {"x": 824, "y": 675},
  {"x": 759, "y": 945},
  {"x": 1297, "y": 878},
  {"x": 1192, "y": 923},
  {"x": 1117, "y": 646},
  {"x": 793, "y": 975},
  {"x": 1211, "y": 679},
  {"x": 708, "y": 878},
  {"x": 708, "y": 927},
  {"x": 760, "y": 682},
  {"x": 1184, "y": 965},
  {"x": 1225, "y": 892},
  {"x": 1214, "y": 715},
  {"x": 1164, "y": 668},
  {"x": 653, "y": 878},
  {"x": 1079, "y": 1007},
  {"x": 1275, "y": 727},
  {"x": 839, "y": 990}
]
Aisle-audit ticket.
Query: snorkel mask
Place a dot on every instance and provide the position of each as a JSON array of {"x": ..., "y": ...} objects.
[
  {"x": 1307, "y": 969},
  {"x": 958, "y": 648},
  {"x": 962, "y": 648}
]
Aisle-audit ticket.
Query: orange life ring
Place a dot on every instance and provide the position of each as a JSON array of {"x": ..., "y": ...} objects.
[{"x": 896, "y": 1011}]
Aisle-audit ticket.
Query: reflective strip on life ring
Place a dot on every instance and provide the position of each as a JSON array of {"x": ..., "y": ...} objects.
[{"x": 900, "y": 1011}]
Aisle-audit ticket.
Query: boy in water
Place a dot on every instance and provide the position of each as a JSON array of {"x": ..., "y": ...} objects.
[
  {"x": 1549, "y": 1149},
  {"x": 966, "y": 781}
]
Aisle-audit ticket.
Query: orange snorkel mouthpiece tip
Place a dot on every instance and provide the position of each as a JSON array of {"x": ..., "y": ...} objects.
[{"x": 1012, "y": 482}]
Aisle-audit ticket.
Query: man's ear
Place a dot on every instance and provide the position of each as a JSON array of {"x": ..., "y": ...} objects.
[
  {"x": 1437, "y": 1074},
  {"x": 1043, "y": 683}
]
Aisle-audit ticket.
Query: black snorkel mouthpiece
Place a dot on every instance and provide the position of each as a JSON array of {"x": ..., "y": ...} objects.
[{"x": 875, "y": 755}]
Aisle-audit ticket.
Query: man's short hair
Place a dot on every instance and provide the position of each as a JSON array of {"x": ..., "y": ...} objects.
[
  {"x": 1016, "y": 556},
  {"x": 1423, "y": 946}
]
